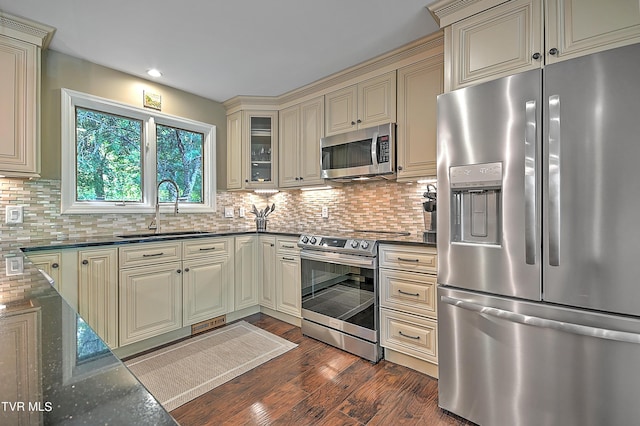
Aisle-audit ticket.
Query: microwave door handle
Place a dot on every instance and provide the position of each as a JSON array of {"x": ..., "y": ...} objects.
[{"x": 374, "y": 149}]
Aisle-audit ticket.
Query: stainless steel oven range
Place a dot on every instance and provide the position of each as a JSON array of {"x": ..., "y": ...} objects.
[{"x": 340, "y": 290}]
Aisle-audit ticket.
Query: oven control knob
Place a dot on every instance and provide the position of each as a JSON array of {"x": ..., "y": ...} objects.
[
  {"x": 305, "y": 239},
  {"x": 313, "y": 240},
  {"x": 364, "y": 244},
  {"x": 355, "y": 244}
]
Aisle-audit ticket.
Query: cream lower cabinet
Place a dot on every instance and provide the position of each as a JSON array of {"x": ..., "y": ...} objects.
[
  {"x": 246, "y": 279},
  {"x": 419, "y": 85},
  {"x": 301, "y": 127},
  {"x": 51, "y": 263},
  {"x": 288, "y": 284},
  {"x": 150, "y": 290},
  {"x": 20, "y": 358},
  {"x": 366, "y": 104},
  {"x": 267, "y": 271},
  {"x": 98, "y": 292},
  {"x": 408, "y": 315},
  {"x": 520, "y": 35}
]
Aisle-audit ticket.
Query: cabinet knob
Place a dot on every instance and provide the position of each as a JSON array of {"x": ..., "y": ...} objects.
[
  {"x": 186, "y": 269},
  {"x": 54, "y": 265},
  {"x": 297, "y": 178},
  {"x": 353, "y": 123},
  {"x": 85, "y": 262},
  {"x": 359, "y": 121},
  {"x": 179, "y": 271},
  {"x": 272, "y": 245},
  {"x": 399, "y": 168},
  {"x": 536, "y": 56},
  {"x": 246, "y": 180},
  {"x": 301, "y": 178},
  {"x": 553, "y": 51}
]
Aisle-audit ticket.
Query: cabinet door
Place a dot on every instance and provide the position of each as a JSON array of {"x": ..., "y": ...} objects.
[
  {"x": 377, "y": 101},
  {"x": 98, "y": 292},
  {"x": 418, "y": 88},
  {"x": 289, "y": 144},
  {"x": 50, "y": 263},
  {"x": 311, "y": 130},
  {"x": 19, "y": 85},
  {"x": 341, "y": 110},
  {"x": 234, "y": 151},
  {"x": 20, "y": 350},
  {"x": 577, "y": 28},
  {"x": 495, "y": 43},
  {"x": 260, "y": 149},
  {"x": 206, "y": 286},
  {"x": 288, "y": 291},
  {"x": 267, "y": 271},
  {"x": 246, "y": 283},
  {"x": 150, "y": 301}
]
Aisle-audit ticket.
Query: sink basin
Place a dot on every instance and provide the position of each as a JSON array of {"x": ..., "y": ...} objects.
[{"x": 161, "y": 234}]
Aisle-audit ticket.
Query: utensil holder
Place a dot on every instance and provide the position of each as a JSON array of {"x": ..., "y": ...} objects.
[{"x": 261, "y": 224}]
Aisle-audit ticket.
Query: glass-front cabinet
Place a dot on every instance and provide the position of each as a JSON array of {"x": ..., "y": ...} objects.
[{"x": 260, "y": 143}]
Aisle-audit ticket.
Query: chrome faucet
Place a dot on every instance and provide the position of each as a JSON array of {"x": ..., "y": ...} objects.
[{"x": 155, "y": 223}]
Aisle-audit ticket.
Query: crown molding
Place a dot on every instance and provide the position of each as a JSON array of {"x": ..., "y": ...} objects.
[
  {"x": 446, "y": 12},
  {"x": 26, "y": 30},
  {"x": 430, "y": 45}
]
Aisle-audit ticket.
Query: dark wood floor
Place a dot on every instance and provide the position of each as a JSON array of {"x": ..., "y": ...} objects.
[{"x": 318, "y": 384}]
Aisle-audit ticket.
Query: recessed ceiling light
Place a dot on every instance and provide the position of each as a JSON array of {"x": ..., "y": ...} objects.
[{"x": 154, "y": 73}]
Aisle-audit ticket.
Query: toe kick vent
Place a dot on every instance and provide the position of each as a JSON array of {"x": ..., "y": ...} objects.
[{"x": 208, "y": 325}]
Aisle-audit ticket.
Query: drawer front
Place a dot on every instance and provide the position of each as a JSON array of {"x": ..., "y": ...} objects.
[
  {"x": 287, "y": 245},
  {"x": 149, "y": 254},
  {"x": 408, "y": 291},
  {"x": 409, "y": 334},
  {"x": 200, "y": 247},
  {"x": 408, "y": 258}
]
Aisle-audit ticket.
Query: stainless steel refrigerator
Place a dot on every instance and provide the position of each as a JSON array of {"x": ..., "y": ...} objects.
[{"x": 539, "y": 245}]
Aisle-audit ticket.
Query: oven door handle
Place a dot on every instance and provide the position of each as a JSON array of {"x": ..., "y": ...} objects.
[{"x": 339, "y": 258}]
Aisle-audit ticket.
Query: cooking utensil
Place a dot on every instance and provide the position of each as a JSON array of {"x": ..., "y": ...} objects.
[
  {"x": 254, "y": 210},
  {"x": 270, "y": 210}
]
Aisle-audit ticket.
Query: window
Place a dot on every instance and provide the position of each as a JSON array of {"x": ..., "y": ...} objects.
[{"x": 114, "y": 155}]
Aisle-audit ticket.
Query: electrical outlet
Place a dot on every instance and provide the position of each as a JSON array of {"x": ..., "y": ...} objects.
[
  {"x": 14, "y": 265},
  {"x": 228, "y": 212},
  {"x": 325, "y": 212},
  {"x": 14, "y": 214},
  {"x": 242, "y": 212}
]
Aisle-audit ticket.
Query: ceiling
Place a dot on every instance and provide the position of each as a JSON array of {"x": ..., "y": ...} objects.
[{"x": 220, "y": 49}]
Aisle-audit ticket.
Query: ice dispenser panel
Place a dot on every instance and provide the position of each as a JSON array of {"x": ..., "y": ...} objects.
[{"x": 476, "y": 203}]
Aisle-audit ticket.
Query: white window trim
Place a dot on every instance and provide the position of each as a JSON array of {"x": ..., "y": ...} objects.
[{"x": 70, "y": 99}]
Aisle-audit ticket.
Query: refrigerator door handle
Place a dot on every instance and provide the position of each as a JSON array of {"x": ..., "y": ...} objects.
[
  {"x": 530, "y": 183},
  {"x": 554, "y": 180},
  {"x": 583, "y": 330}
]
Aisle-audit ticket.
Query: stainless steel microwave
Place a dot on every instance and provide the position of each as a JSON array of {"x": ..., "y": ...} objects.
[{"x": 361, "y": 153}]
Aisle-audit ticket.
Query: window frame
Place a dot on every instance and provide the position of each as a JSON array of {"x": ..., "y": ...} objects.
[{"x": 69, "y": 205}]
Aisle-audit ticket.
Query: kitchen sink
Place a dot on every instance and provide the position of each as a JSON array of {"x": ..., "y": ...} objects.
[{"x": 162, "y": 234}]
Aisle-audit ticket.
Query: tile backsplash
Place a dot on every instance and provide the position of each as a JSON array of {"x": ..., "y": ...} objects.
[{"x": 380, "y": 205}]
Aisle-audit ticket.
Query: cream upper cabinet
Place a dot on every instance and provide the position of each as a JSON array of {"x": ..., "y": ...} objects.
[
  {"x": 234, "y": 150},
  {"x": 498, "y": 42},
  {"x": 301, "y": 127},
  {"x": 260, "y": 149},
  {"x": 98, "y": 292},
  {"x": 419, "y": 85},
  {"x": 517, "y": 36},
  {"x": 577, "y": 28},
  {"x": 20, "y": 48},
  {"x": 365, "y": 104}
]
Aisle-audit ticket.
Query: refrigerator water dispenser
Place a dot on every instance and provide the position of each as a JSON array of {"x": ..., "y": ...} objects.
[{"x": 476, "y": 203}]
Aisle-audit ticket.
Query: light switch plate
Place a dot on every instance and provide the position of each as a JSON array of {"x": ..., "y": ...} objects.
[
  {"x": 14, "y": 214},
  {"x": 325, "y": 212},
  {"x": 242, "y": 212},
  {"x": 228, "y": 212}
]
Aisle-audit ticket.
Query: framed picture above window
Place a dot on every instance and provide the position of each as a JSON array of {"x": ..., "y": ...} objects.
[{"x": 114, "y": 155}]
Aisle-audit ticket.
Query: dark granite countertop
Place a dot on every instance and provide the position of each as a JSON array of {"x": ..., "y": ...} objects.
[{"x": 44, "y": 380}]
